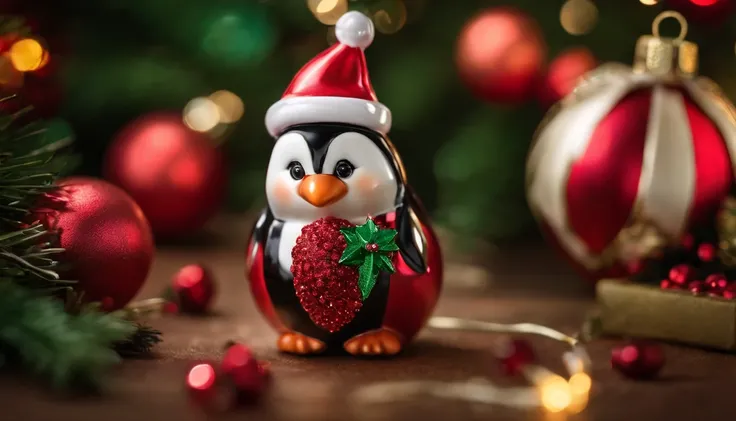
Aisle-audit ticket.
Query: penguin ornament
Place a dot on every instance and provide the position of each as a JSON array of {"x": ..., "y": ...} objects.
[{"x": 343, "y": 256}]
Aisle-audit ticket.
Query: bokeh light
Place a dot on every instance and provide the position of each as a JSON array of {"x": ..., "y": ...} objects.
[
  {"x": 231, "y": 107},
  {"x": 649, "y": 2},
  {"x": 328, "y": 11},
  {"x": 391, "y": 17},
  {"x": 28, "y": 55},
  {"x": 555, "y": 394},
  {"x": 704, "y": 2},
  {"x": 578, "y": 17},
  {"x": 201, "y": 114},
  {"x": 242, "y": 35}
]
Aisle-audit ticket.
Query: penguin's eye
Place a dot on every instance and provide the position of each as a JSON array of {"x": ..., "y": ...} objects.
[
  {"x": 296, "y": 170},
  {"x": 344, "y": 169}
]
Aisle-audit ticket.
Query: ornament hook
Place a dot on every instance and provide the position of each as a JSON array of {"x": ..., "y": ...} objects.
[{"x": 670, "y": 14}]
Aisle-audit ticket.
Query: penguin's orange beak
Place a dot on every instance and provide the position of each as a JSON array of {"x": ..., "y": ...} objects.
[{"x": 322, "y": 189}]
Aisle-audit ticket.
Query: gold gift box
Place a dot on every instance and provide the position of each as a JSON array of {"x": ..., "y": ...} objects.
[{"x": 643, "y": 311}]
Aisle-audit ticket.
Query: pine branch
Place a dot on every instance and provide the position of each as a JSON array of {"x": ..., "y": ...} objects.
[
  {"x": 139, "y": 344},
  {"x": 70, "y": 350}
]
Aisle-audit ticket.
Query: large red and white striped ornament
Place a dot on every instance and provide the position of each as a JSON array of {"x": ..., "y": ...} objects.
[{"x": 630, "y": 162}]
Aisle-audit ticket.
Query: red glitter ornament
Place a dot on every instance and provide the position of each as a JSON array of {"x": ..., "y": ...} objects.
[
  {"x": 707, "y": 252},
  {"x": 514, "y": 355},
  {"x": 327, "y": 290},
  {"x": 245, "y": 373},
  {"x": 682, "y": 274},
  {"x": 716, "y": 282},
  {"x": 194, "y": 288},
  {"x": 638, "y": 360},
  {"x": 107, "y": 240}
]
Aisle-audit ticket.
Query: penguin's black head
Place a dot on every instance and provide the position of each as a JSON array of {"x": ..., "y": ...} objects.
[{"x": 339, "y": 170}]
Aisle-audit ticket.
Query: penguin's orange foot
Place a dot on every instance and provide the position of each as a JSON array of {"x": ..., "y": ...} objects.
[
  {"x": 296, "y": 343},
  {"x": 381, "y": 342}
]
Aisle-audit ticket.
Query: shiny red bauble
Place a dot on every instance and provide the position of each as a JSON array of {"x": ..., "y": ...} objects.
[
  {"x": 194, "y": 289},
  {"x": 638, "y": 360},
  {"x": 707, "y": 252},
  {"x": 500, "y": 54},
  {"x": 564, "y": 73},
  {"x": 245, "y": 373},
  {"x": 175, "y": 174},
  {"x": 682, "y": 274},
  {"x": 513, "y": 355},
  {"x": 201, "y": 383},
  {"x": 107, "y": 240}
]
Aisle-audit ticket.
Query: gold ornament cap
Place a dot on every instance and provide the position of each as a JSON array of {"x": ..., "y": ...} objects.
[{"x": 667, "y": 56}]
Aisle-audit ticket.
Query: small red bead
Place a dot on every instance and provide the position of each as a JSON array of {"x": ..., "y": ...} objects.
[
  {"x": 707, "y": 252},
  {"x": 729, "y": 292},
  {"x": 687, "y": 241},
  {"x": 514, "y": 355},
  {"x": 696, "y": 287},
  {"x": 201, "y": 382},
  {"x": 716, "y": 282},
  {"x": 194, "y": 287},
  {"x": 681, "y": 274},
  {"x": 243, "y": 369},
  {"x": 638, "y": 360}
]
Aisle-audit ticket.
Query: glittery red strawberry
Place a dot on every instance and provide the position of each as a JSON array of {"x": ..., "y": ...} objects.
[{"x": 327, "y": 290}]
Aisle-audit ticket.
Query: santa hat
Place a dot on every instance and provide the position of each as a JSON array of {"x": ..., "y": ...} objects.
[{"x": 334, "y": 87}]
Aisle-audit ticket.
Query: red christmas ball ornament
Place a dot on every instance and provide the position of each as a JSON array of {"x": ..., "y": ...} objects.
[
  {"x": 600, "y": 178},
  {"x": 564, "y": 73},
  {"x": 513, "y": 355},
  {"x": 107, "y": 240},
  {"x": 638, "y": 360},
  {"x": 247, "y": 375},
  {"x": 194, "y": 289},
  {"x": 707, "y": 252},
  {"x": 327, "y": 290},
  {"x": 716, "y": 282},
  {"x": 175, "y": 174},
  {"x": 729, "y": 292},
  {"x": 201, "y": 382},
  {"x": 500, "y": 54},
  {"x": 697, "y": 287}
]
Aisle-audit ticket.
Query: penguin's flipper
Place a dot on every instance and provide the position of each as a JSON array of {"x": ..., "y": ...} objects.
[
  {"x": 410, "y": 237},
  {"x": 254, "y": 268}
]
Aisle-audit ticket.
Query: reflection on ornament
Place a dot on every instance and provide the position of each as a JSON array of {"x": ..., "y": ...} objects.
[
  {"x": 390, "y": 19},
  {"x": 27, "y": 55},
  {"x": 328, "y": 11},
  {"x": 230, "y": 106},
  {"x": 578, "y": 17},
  {"x": 10, "y": 78},
  {"x": 201, "y": 114}
]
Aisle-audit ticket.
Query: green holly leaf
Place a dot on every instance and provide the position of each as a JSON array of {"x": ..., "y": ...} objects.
[
  {"x": 384, "y": 263},
  {"x": 353, "y": 255},
  {"x": 367, "y": 276},
  {"x": 366, "y": 231},
  {"x": 384, "y": 237},
  {"x": 351, "y": 237},
  {"x": 389, "y": 247}
]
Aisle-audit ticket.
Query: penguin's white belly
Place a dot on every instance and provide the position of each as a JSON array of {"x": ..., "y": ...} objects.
[{"x": 289, "y": 234}]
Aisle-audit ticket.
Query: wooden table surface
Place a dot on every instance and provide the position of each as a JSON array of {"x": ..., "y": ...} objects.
[{"x": 519, "y": 283}]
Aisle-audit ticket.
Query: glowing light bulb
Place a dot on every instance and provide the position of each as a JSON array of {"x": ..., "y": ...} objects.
[
  {"x": 580, "y": 383},
  {"x": 201, "y": 115},
  {"x": 231, "y": 107},
  {"x": 578, "y": 17},
  {"x": 328, "y": 11},
  {"x": 555, "y": 394},
  {"x": 27, "y": 55}
]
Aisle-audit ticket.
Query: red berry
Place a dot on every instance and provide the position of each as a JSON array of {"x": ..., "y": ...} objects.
[
  {"x": 514, "y": 355},
  {"x": 371, "y": 247},
  {"x": 194, "y": 287},
  {"x": 201, "y": 382},
  {"x": 682, "y": 274},
  {"x": 729, "y": 292},
  {"x": 638, "y": 360},
  {"x": 243, "y": 370},
  {"x": 696, "y": 287},
  {"x": 716, "y": 282},
  {"x": 706, "y": 252}
]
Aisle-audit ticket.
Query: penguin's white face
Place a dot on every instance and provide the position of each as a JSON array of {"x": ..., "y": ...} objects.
[{"x": 356, "y": 179}]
